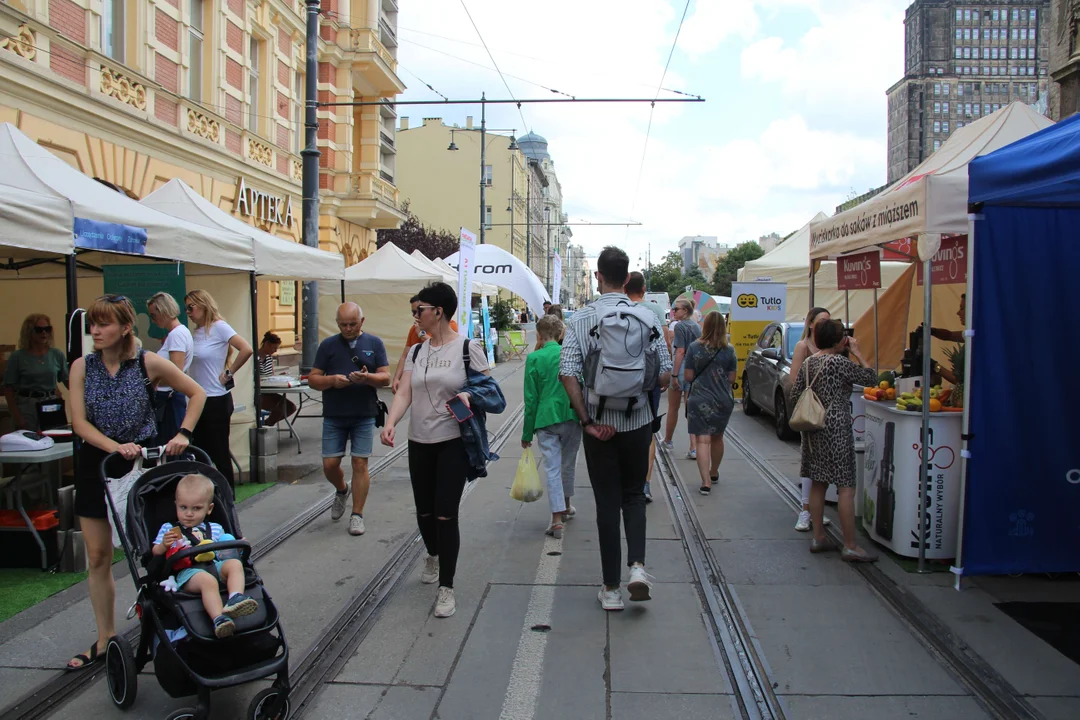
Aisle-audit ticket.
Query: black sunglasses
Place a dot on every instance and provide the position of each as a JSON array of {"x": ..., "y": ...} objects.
[
  {"x": 43, "y": 329},
  {"x": 190, "y": 307},
  {"x": 113, "y": 298},
  {"x": 421, "y": 308}
]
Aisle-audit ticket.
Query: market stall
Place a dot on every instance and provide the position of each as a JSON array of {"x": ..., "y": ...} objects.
[
  {"x": 908, "y": 222},
  {"x": 1023, "y": 475}
]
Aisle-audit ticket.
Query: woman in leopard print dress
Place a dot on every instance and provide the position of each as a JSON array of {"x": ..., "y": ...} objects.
[{"x": 832, "y": 449}]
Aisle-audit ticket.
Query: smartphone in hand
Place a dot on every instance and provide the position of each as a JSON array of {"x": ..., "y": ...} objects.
[{"x": 459, "y": 409}]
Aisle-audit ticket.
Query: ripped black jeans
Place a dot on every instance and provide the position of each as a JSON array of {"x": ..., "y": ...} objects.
[{"x": 437, "y": 471}]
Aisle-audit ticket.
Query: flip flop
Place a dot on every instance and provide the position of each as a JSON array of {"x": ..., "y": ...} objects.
[{"x": 94, "y": 658}]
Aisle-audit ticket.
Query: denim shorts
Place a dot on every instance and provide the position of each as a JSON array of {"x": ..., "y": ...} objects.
[
  {"x": 187, "y": 573},
  {"x": 358, "y": 432}
]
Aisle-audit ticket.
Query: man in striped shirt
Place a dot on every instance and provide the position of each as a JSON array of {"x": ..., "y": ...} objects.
[{"x": 616, "y": 445}]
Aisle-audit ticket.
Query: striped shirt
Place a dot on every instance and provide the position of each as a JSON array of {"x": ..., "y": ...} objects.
[
  {"x": 266, "y": 365},
  {"x": 572, "y": 360}
]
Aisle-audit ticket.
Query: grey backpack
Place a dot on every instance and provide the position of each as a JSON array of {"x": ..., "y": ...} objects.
[{"x": 621, "y": 368}]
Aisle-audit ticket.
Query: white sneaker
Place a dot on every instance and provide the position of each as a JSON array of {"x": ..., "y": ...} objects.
[
  {"x": 667, "y": 445},
  {"x": 692, "y": 455},
  {"x": 803, "y": 524},
  {"x": 610, "y": 599},
  {"x": 639, "y": 585},
  {"x": 356, "y": 524},
  {"x": 338, "y": 508},
  {"x": 445, "y": 605},
  {"x": 430, "y": 576}
]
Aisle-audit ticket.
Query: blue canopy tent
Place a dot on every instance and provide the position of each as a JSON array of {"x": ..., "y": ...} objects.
[{"x": 1023, "y": 475}]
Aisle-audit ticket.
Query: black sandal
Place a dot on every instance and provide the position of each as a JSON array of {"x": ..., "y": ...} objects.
[
  {"x": 94, "y": 658},
  {"x": 705, "y": 490}
]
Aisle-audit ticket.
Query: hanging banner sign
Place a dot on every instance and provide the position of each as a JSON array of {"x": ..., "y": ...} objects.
[
  {"x": 113, "y": 237},
  {"x": 139, "y": 283},
  {"x": 859, "y": 272},
  {"x": 753, "y": 306},
  {"x": 490, "y": 338},
  {"x": 466, "y": 261},
  {"x": 949, "y": 265},
  {"x": 556, "y": 277}
]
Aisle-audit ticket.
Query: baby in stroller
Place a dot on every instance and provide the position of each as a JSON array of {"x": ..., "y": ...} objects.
[{"x": 199, "y": 575}]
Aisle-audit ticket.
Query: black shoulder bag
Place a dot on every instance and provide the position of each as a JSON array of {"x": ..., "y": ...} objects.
[
  {"x": 159, "y": 411},
  {"x": 381, "y": 411}
]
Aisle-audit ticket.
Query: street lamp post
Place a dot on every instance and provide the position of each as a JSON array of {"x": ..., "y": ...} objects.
[{"x": 310, "y": 185}]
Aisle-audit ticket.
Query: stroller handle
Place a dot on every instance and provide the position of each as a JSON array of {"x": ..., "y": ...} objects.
[
  {"x": 242, "y": 545},
  {"x": 191, "y": 452}
]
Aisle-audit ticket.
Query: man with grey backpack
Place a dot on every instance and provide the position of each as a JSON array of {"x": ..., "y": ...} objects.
[{"x": 613, "y": 355}]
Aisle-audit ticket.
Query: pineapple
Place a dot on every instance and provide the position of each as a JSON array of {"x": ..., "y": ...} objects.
[{"x": 955, "y": 356}]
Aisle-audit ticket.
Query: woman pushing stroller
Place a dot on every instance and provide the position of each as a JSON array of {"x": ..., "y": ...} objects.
[{"x": 194, "y": 502}]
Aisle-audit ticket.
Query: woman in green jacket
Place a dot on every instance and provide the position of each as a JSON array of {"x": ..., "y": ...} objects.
[{"x": 549, "y": 415}]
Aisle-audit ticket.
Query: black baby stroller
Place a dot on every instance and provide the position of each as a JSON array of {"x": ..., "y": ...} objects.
[{"x": 175, "y": 631}]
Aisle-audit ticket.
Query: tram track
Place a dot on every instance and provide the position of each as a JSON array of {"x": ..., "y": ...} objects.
[
  {"x": 333, "y": 649},
  {"x": 63, "y": 687},
  {"x": 732, "y": 637},
  {"x": 993, "y": 693}
]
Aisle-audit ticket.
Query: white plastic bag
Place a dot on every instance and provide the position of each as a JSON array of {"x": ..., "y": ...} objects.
[
  {"x": 527, "y": 486},
  {"x": 118, "y": 489}
]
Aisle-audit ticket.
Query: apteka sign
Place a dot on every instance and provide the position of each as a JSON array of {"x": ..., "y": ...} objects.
[{"x": 263, "y": 206}]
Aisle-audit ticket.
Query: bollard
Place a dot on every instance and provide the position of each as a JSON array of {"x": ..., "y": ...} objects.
[
  {"x": 66, "y": 514},
  {"x": 264, "y": 452}
]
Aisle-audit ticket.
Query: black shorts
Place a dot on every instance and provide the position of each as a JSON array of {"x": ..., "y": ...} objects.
[{"x": 89, "y": 488}]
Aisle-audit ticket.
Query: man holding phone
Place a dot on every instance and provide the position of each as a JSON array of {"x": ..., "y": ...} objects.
[{"x": 347, "y": 370}]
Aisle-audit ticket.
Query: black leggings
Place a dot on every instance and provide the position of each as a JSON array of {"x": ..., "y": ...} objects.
[
  {"x": 438, "y": 472},
  {"x": 212, "y": 433}
]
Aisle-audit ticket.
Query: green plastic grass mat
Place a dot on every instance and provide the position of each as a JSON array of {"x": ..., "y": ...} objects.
[
  {"x": 21, "y": 588},
  {"x": 248, "y": 490}
]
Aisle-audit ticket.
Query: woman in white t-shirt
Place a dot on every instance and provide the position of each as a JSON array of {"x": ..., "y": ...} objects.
[
  {"x": 438, "y": 462},
  {"x": 210, "y": 367},
  {"x": 170, "y": 406}
]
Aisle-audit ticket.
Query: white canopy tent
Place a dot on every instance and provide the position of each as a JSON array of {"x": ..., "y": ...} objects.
[
  {"x": 30, "y": 167},
  {"x": 381, "y": 285},
  {"x": 789, "y": 263},
  {"x": 275, "y": 258},
  {"x": 932, "y": 198},
  {"x": 33, "y": 225}
]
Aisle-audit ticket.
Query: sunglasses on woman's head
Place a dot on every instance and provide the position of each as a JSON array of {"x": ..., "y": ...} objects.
[{"x": 113, "y": 298}]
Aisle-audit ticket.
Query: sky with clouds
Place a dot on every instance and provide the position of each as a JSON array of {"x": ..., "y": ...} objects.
[{"x": 794, "y": 118}]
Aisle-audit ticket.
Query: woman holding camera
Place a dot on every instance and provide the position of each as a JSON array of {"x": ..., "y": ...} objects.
[{"x": 831, "y": 374}]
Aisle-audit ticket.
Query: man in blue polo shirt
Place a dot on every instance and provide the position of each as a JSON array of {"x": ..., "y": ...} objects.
[{"x": 348, "y": 367}]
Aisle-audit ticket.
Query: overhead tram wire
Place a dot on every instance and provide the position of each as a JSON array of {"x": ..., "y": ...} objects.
[
  {"x": 492, "y": 57},
  {"x": 652, "y": 109},
  {"x": 485, "y": 67},
  {"x": 425, "y": 84}
]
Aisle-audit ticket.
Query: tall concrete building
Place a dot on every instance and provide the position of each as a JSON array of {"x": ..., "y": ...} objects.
[
  {"x": 1064, "y": 58},
  {"x": 135, "y": 93},
  {"x": 442, "y": 185},
  {"x": 963, "y": 60},
  {"x": 702, "y": 252}
]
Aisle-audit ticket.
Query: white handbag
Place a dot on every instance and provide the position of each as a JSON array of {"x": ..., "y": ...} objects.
[
  {"x": 119, "y": 489},
  {"x": 809, "y": 413}
]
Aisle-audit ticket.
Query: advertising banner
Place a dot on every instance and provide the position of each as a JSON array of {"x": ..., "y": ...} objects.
[
  {"x": 466, "y": 262},
  {"x": 891, "y": 465},
  {"x": 556, "y": 277},
  {"x": 113, "y": 237},
  {"x": 138, "y": 283},
  {"x": 859, "y": 272},
  {"x": 753, "y": 306},
  {"x": 949, "y": 265},
  {"x": 491, "y": 339}
]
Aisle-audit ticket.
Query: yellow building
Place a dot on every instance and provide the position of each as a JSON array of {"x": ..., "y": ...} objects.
[
  {"x": 442, "y": 186},
  {"x": 137, "y": 92}
]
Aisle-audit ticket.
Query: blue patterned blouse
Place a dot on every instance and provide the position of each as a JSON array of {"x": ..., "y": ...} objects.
[{"x": 118, "y": 406}]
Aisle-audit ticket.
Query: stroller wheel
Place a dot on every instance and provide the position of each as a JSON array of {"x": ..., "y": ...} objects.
[
  {"x": 264, "y": 704},
  {"x": 181, "y": 714},
  {"x": 121, "y": 676}
]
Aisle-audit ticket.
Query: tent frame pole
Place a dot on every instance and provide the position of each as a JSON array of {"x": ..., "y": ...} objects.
[
  {"x": 877, "y": 361},
  {"x": 965, "y": 434},
  {"x": 925, "y": 465},
  {"x": 253, "y": 464},
  {"x": 847, "y": 308}
]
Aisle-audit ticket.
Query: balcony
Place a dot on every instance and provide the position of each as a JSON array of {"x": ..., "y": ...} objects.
[
  {"x": 387, "y": 140},
  {"x": 372, "y": 202},
  {"x": 374, "y": 68},
  {"x": 387, "y": 35}
]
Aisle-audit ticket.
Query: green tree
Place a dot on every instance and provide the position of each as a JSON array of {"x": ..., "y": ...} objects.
[
  {"x": 727, "y": 270},
  {"x": 414, "y": 235},
  {"x": 666, "y": 276},
  {"x": 696, "y": 279}
]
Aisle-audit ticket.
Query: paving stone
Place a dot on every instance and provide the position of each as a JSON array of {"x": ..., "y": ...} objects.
[{"x": 634, "y": 705}]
